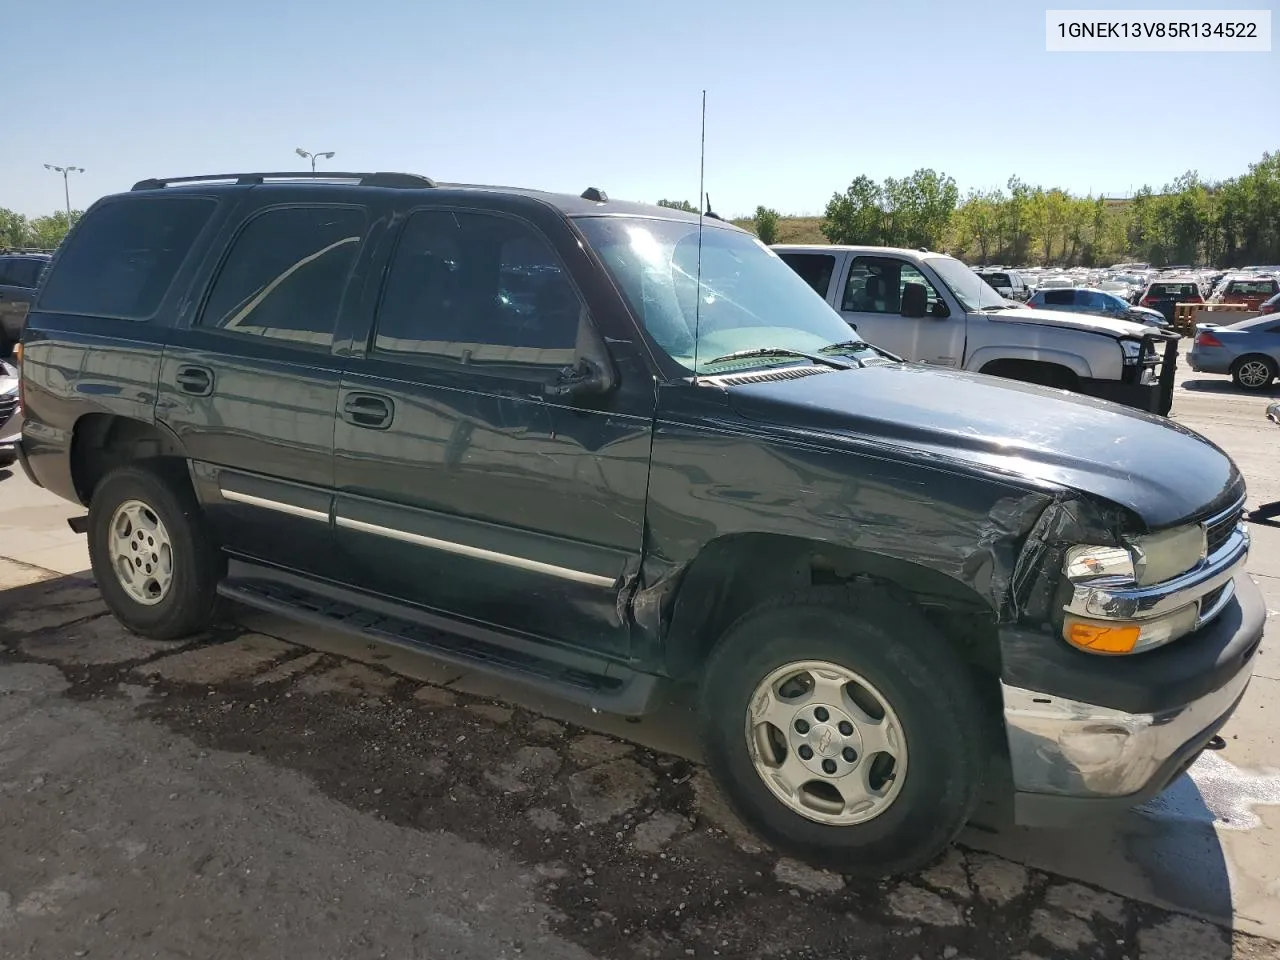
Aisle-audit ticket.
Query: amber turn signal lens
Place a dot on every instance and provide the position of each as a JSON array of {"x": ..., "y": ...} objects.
[
  {"x": 1103, "y": 638},
  {"x": 17, "y": 352}
]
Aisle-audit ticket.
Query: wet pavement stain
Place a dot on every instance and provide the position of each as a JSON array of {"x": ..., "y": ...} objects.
[{"x": 1217, "y": 791}]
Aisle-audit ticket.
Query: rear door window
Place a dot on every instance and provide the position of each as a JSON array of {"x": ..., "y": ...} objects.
[
  {"x": 121, "y": 259},
  {"x": 285, "y": 274},
  {"x": 814, "y": 268},
  {"x": 1059, "y": 298}
]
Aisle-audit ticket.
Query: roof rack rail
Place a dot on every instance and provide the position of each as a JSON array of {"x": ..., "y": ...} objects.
[{"x": 398, "y": 180}]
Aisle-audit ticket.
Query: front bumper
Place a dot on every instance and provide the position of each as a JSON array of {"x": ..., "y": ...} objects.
[
  {"x": 1073, "y": 761},
  {"x": 1146, "y": 387}
]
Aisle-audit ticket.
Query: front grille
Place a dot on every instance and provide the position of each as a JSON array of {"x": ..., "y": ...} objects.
[
  {"x": 8, "y": 404},
  {"x": 1218, "y": 529}
]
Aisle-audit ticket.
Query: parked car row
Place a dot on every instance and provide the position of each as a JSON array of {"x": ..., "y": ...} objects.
[{"x": 604, "y": 448}]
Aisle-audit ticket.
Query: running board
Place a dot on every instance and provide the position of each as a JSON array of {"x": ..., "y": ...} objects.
[{"x": 570, "y": 675}]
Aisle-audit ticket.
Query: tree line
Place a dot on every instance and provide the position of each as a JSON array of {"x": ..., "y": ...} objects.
[
  {"x": 1229, "y": 222},
  {"x": 1224, "y": 223},
  {"x": 44, "y": 233}
]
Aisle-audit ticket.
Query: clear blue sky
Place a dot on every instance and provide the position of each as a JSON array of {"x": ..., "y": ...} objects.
[{"x": 802, "y": 96}]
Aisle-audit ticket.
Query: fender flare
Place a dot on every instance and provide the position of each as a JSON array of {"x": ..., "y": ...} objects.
[{"x": 1072, "y": 361}]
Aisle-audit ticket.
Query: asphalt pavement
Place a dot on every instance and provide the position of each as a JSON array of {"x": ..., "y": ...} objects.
[{"x": 272, "y": 790}]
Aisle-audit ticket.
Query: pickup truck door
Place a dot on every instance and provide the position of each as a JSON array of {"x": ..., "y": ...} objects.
[
  {"x": 870, "y": 297},
  {"x": 461, "y": 486}
]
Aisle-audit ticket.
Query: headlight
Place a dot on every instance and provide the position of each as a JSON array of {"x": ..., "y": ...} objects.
[
  {"x": 1141, "y": 562},
  {"x": 1132, "y": 350},
  {"x": 1162, "y": 556},
  {"x": 1112, "y": 636},
  {"x": 1144, "y": 560}
]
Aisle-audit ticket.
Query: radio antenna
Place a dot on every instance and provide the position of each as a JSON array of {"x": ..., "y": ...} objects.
[{"x": 702, "y": 167}]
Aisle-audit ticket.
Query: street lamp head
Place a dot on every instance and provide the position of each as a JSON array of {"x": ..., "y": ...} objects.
[
  {"x": 50, "y": 166},
  {"x": 302, "y": 153},
  {"x": 326, "y": 155}
]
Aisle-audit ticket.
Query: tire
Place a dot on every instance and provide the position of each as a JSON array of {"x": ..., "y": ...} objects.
[
  {"x": 894, "y": 649},
  {"x": 1253, "y": 372},
  {"x": 130, "y": 498}
]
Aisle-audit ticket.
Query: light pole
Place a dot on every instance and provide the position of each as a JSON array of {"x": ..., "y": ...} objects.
[
  {"x": 66, "y": 189},
  {"x": 313, "y": 156}
]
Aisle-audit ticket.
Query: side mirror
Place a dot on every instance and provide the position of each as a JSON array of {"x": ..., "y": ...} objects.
[
  {"x": 939, "y": 310},
  {"x": 915, "y": 300},
  {"x": 586, "y": 378}
]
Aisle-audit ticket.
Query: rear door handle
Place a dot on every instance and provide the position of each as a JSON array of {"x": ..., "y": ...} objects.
[
  {"x": 368, "y": 410},
  {"x": 197, "y": 381}
]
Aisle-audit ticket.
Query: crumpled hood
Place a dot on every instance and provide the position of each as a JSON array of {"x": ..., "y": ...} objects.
[
  {"x": 1075, "y": 321},
  {"x": 1159, "y": 469}
]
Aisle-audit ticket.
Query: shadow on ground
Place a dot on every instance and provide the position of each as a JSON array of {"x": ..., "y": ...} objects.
[
  {"x": 633, "y": 849},
  {"x": 1225, "y": 385}
]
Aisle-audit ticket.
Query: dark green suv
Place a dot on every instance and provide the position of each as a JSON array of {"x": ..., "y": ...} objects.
[{"x": 603, "y": 447}]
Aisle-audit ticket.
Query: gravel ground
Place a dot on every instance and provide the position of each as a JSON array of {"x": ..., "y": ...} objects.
[{"x": 241, "y": 796}]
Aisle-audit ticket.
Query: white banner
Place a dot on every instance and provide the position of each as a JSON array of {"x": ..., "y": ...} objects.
[{"x": 1158, "y": 31}]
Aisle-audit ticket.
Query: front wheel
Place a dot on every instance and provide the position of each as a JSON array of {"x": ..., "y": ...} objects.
[
  {"x": 1254, "y": 372},
  {"x": 845, "y": 730},
  {"x": 152, "y": 557}
]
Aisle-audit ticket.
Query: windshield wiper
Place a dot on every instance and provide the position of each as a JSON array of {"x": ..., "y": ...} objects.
[
  {"x": 844, "y": 345},
  {"x": 781, "y": 352}
]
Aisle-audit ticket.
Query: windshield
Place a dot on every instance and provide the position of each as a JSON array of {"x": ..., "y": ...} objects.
[
  {"x": 971, "y": 290},
  {"x": 750, "y": 299}
]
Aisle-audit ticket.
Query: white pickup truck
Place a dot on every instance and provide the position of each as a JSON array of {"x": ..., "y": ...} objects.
[{"x": 931, "y": 308}]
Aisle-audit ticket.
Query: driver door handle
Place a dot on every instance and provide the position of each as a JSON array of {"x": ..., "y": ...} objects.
[{"x": 368, "y": 410}]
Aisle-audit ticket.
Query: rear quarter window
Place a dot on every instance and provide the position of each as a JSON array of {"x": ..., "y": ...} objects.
[{"x": 121, "y": 259}]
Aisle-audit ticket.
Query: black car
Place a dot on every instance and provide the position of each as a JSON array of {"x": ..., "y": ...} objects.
[
  {"x": 20, "y": 274},
  {"x": 605, "y": 447}
]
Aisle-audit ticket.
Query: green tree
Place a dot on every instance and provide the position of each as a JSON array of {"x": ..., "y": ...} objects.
[
  {"x": 766, "y": 222},
  {"x": 684, "y": 205},
  {"x": 1015, "y": 234},
  {"x": 976, "y": 225},
  {"x": 13, "y": 229},
  {"x": 855, "y": 216},
  {"x": 48, "y": 231},
  {"x": 1047, "y": 215},
  {"x": 933, "y": 199}
]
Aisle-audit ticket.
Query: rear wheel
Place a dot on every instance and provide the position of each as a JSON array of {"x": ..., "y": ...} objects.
[
  {"x": 1253, "y": 372},
  {"x": 154, "y": 562},
  {"x": 845, "y": 730}
]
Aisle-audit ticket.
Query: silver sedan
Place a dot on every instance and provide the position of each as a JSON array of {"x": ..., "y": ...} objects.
[{"x": 1248, "y": 351}]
